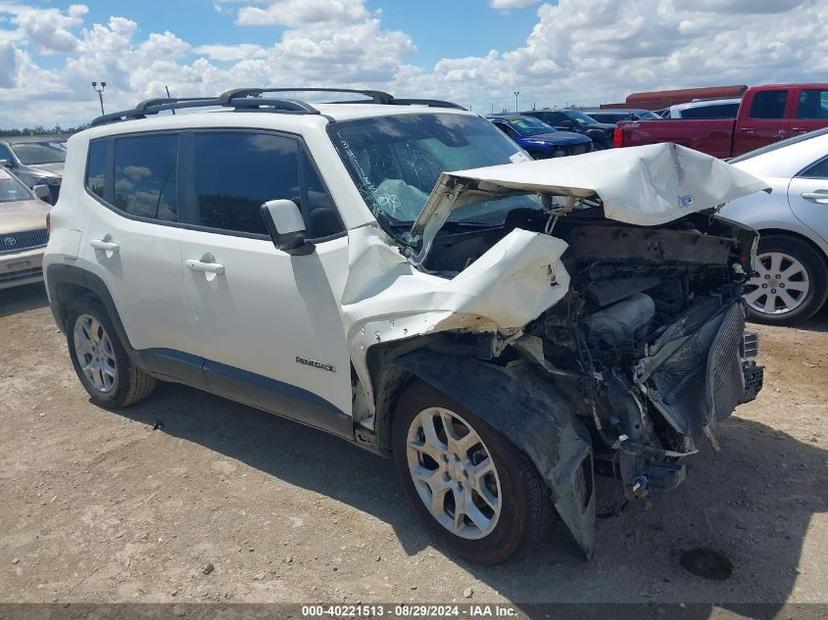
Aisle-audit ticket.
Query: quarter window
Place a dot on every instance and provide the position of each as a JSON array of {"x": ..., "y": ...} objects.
[
  {"x": 145, "y": 178},
  {"x": 769, "y": 104},
  {"x": 96, "y": 167},
  {"x": 813, "y": 104}
]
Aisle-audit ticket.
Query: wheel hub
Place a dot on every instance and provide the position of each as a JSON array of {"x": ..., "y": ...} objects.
[
  {"x": 453, "y": 473},
  {"x": 94, "y": 353},
  {"x": 780, "y": 286}
]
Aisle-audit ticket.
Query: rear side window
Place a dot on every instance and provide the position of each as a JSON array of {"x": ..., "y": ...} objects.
[
  {"x": 96, "y": 168},
  {"x": 769, "y": 104},
  {"x": 813, "y": 104},
  {"x": 145, "y": 176},
  {"x": 237, "y": 172},
  {"x": 713, "y": 111}
]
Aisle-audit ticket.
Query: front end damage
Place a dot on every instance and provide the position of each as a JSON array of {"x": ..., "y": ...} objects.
[{"x": 603, "y": 334}]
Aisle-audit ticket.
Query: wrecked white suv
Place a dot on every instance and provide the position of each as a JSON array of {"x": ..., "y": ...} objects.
[{"x": 399, "y": 273}]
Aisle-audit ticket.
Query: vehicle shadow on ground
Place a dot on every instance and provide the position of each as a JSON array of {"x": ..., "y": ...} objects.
[
  {"x": 22, "y": 298},
  {"x": 753, "y": 501},
  {"x": 818, "y": 323}
]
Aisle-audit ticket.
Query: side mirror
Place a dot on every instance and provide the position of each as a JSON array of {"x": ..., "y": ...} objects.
[
  {"x": 42, "y": 192},
  {"x": 284, "y": 222}
]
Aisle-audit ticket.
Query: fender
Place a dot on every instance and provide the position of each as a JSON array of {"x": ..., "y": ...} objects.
[{"x": 534, "y": 415}]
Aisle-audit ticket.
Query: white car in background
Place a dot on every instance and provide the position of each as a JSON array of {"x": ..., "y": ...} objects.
[
  {"x": 792, "y": 281},
  {"x": 713, "y": 108}
]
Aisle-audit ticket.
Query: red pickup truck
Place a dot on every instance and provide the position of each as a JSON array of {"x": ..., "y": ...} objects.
[{"x": 767, "y": 114}]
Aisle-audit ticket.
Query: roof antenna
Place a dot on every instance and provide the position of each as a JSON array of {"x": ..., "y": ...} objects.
[{"x": 167, "y": 88}]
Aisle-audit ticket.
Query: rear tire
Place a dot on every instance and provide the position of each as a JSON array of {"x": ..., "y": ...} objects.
[
  {"x": 800, "y": 291},
  {"x": 523, "y": 512},
  {"x": 100, "y": 360}
]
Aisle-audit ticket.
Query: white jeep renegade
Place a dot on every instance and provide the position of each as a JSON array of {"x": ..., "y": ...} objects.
[{"x": 399, "y": 273}]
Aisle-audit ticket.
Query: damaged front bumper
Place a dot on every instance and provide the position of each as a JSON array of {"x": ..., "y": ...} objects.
[{"x": 693, "y": 376}]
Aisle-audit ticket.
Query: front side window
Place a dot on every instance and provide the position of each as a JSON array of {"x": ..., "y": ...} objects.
[
  {"x": 395, "y": 162},
  {"x": 37, "y": 153},
  {"x": 145, "y": 177},
  {"x": 769, "y": 104},
  {"x": 237, "y": 172},
  {"x": 813, "y": 104},
  {"x": 817, "y": 171}
]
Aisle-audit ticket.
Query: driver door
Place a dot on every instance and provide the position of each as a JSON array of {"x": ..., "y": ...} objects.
[{"x": 266, "y": 323}]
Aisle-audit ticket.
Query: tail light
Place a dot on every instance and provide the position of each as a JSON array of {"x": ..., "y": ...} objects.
[{"x": 618, "y": 138}]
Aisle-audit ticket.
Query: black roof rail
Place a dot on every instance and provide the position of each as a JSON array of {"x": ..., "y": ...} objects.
[
  {"x": 432, "y": 103},
  {"x": 249, "y": 99},
  {"x": 376, "y": 96}
]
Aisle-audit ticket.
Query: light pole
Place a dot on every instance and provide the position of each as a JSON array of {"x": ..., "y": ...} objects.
[
  {"x": 517, "y": 94},
  {"x": 100, "y": 93}
]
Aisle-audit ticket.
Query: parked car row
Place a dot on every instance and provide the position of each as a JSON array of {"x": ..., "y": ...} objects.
[{"x": 35, "y": 160}]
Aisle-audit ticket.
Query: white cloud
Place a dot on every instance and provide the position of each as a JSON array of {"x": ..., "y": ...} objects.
[
  {"x": 294, "y": 13},
  {"x": 511, "y": 4},
  {"x": 579, "y": 51}
]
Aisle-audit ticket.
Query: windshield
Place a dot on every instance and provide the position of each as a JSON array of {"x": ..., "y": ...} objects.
[
  {"x": 580, "y": 117},
  {"x": 12, "y": 190},
  {"x": 529, "y": 126},
  {"x": 34, "y": 153},
  {"x": 395, "y": 162},
  {"x": 611, "y": 117}
]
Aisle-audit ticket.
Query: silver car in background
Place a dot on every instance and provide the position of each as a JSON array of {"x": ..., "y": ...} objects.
[
  {"x": 792, "y": 262},
  {"x": 35, "y": 160}
]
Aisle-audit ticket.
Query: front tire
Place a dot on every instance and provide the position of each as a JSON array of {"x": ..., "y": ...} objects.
[
  {"x": 791, "y": 284},
  {"x": 100, "y": 360},
  {"x": 479, "y": 495}
]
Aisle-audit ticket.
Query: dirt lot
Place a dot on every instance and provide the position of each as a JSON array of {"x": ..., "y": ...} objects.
[{"x": 98, "y": 506}]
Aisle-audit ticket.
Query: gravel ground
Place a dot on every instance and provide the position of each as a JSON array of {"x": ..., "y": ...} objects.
[{"x": 135, "y": 505}]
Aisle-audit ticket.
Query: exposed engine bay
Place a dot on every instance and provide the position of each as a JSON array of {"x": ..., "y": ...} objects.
[{"x": 650, "y": 334}]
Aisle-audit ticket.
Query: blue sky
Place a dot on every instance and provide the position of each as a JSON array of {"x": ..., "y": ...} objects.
[
  {"x": 475, "y": 52},
  {"x": 435, "y": 36}
]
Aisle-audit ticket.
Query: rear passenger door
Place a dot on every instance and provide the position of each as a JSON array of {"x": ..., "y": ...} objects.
[
  {"x": 811, "y": 110},
  {"x": 133, "y": 238},
  {"x": 765, "y": 120},
  {"x": 266, "y": 323}
]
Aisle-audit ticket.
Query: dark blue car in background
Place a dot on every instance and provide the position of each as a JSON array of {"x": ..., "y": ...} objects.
[{"x": 540, "y": 140}]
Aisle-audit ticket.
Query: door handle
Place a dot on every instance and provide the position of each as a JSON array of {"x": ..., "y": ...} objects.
[
  {"x": 748, "y": 130},
  {"x": 106, "y": 246},
  {"x": 799, "y": 129},
  {"x": 198, "y": 265},
  {"x": 819, "y": 196}
]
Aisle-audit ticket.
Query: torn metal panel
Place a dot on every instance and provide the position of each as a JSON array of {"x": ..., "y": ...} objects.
[
  {"x": 535, "y": 417},
  {"x": 646, "y": 185},
  {"x": 386, "y": 298}
]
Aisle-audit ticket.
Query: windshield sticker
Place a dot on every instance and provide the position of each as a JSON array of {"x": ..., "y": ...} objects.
[{"x": 518, "y": 157}]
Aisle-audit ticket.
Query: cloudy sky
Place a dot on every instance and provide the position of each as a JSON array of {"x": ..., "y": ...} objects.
[{"x": 475, "y": 52}]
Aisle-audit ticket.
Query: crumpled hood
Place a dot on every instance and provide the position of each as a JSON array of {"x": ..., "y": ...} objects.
[{"x": 644, "y": 185}]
